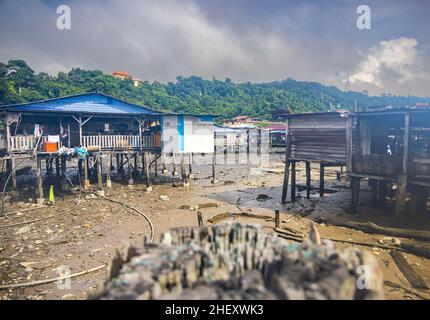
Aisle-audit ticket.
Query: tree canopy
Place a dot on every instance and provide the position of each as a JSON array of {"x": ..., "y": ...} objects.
[{"x": 19, "y": 83}]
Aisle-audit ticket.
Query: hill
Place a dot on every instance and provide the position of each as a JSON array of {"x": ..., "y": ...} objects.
[{"x": 19, "y": 83}]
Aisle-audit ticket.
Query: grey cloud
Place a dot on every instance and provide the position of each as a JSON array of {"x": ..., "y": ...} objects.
[{"x": 243, "y": 40}]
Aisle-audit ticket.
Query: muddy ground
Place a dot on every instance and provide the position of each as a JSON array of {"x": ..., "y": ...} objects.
[{"x": 83, "y": 232}]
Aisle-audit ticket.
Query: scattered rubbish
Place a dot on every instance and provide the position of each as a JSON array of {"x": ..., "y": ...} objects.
[{"x": 164, "y": 198}]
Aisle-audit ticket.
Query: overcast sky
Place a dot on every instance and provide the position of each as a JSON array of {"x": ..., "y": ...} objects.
[{"x": 245, "y": 40}]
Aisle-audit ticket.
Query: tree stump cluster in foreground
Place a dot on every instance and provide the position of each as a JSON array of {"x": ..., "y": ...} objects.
[{"x": 240, "y": 261}]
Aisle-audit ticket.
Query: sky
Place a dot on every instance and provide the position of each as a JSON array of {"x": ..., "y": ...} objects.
[{"x": 244, "y": 40}]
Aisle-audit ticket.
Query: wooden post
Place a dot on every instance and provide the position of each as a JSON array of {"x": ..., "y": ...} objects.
[
  {"x": 277, "y": 219},
  {"x": 39, "y": 183},
  {"x": 175, "y": 172},
  {"x": 285, "y": 185},
  {"x": 321, "y": 179},
  {"x": 199, "y": 219},
  {"x": 130, "y": 174},
  {"x": 293, "y": 181},
  {"x": 287, "y": 166},
  {"x": 64, "y": 185},
  {"x": 163, "y": 160},
  {"x": 355, "y": 193},
  {"x": 190, "y": 165},
  {"x": 403, "y": 179},
  {"x": 108, "y": 169},
  {"x": 419, "y": 195},
  {"x": 13, "y": 167},
  {"x": 99, "y": 176},
  {"x": 382, "y": 193},
  {"x": 308, "y": 179},
  {"x": 214, "y": 180},
  {"x": 155, "y": 166},
  {"x": 349, "y": 135},
  {"x": 86, "y": 180},
  {"x": 146, "y": 169},
  {"x": 80, "y": 171},
  {"x": 185, "y": 181}
]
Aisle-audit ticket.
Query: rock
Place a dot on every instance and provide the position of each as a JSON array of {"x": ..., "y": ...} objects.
[
  {"x": 164, "y": 198},
  {"x": 263, "y": 197}
]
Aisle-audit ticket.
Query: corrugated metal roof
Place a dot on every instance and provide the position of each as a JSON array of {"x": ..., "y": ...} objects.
[{"x": 88, "y": 103}]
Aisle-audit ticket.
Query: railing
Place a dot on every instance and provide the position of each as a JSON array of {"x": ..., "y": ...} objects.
[
  {"x": 24, "y": 143},
  {"x": 118, "y": 141}
]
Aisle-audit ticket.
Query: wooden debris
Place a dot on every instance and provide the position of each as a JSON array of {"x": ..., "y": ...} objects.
[{"x": 414, "y": 278}]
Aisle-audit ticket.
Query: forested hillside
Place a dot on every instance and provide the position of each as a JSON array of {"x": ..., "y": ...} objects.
[{"x": 19, "y": 83}]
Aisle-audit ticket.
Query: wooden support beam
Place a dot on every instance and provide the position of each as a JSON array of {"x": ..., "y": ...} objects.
[
  {"x": 419, "y": 195},
  {"x": 355, "y": 193},
  {"x": 185, "y": 181},
  {"x": 163, "y": 163},
  {"x": 130, "y": 173},
  {"x": 293, "y": 181},
  {"x": 277, "y": 219},
  {"x": 108, "y": 170},
  {"x": 146, "y": 169},
  {"x": 308, "y": 179},
  {"x": 86, "y": 180},
  {"x": 175, "y": 172},
  {"x": 13, "y": 168},
  {"x": 190, "y": 164},
  {"x": 64, "y": 184},
  {"x": 321, "y": 179},
  {"x": 214, "y": 180},
  {"x": 200, "y": 219},
  {"x": 39, "y": 182},
  {"x": 285, "y": 184},
  {"x": 99, "y": 176}
]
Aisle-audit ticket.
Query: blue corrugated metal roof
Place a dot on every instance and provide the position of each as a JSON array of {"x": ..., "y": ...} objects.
[{"x": 88, "y": 103}]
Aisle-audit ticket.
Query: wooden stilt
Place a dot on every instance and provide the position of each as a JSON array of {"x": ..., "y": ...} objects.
[
  {"x": 175, "y": 172},
  {"x": 130, "y": 174},
  {"x": 64, "y": 183},
  {"x": 285, "y": 185},
  {"x": 419, "y": 195},
  {"x": 199, "y": 219},
  {"x": 13, "y": 168},
  {"x": 135, "y": 171},
  {"x": 80, "y": 168},
  {"x": 321, "y": 179},
  {"x": 308, "y": 179},
  {"x": 277, "y": 219},
  {"x": 86, "y": 180},
  {"x": 185, "y": 181},
  {"x": 155, "y": 166},
  {"x": 374, "y": 191},
  {"x": 108, "y": 170},
  {"x": 190, "y": 165},
  {"x": 382, "y": 193},
  {"x": 163, "y": 159},
  {"x": 293, "y": 181},
  {"x": 39, "y": 183},
  {"x": 99, "y": 176},
  {"x": 401, "y": 196},
  {"x": 146, "y": 169},
  {"x": 214, "y": 180},
  {"x": 355, "y": 193}
]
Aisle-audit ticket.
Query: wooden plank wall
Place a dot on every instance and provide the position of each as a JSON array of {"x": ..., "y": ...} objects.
[{"x": 318, "y": 138}]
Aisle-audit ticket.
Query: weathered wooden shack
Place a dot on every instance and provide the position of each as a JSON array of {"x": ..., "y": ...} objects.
[
  {"x": 392, "y": 149},
  {"x": 95, "y": 128},
  {"x": 314, "y": 137}
]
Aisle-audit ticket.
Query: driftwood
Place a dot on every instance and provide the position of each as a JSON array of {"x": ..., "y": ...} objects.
[
  {"x": 233, "y": 215},
  {"x": 370, "y": 227},
  {"x": 239, "y": 261},
  {"x": 414, "y": 278},
  {"x": 45, "y": 281},
  {"x": 407, "y": 290}
]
